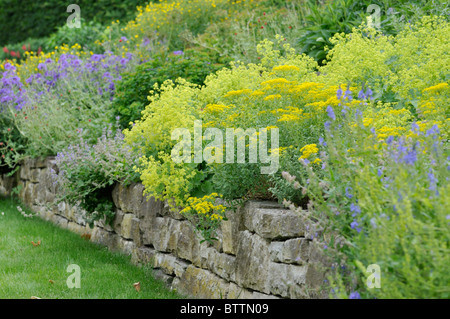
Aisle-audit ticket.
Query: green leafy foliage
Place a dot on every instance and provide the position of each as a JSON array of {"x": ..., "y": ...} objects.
[
  {"x": 86, "y": 174},
  {"x": 133, "y": 90},
  {"x": 28, "y": 18}
]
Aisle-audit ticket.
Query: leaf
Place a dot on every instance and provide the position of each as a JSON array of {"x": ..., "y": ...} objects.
[
  {"x": 36, "y": 244},
  {"x": 137, "y": 286}
]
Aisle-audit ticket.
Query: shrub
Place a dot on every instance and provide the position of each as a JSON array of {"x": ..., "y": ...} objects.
[
  {"x": 397, "y": 68},
  {"x": 380, "y": 199},
  {"x": 21, "y": 50},
  {"x": 86, "y": 174},
  {"x": 25, "y": 19},
  {"x": 283, "y": 92},
  {"x": 66, "y": 98},
  {"x": 133, "y": 91},
  {"x": 338, "y": 17},
  {"x": 85, "y": 36}
]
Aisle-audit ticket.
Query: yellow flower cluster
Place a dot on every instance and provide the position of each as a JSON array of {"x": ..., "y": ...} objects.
[
  {"x": 205, "y": 207},
  {"x": 284, "y": 68},
  {"x": 308, "y": 150},
  {"x": 215, "y": 108},
  {"x": 163, "y": 17}
]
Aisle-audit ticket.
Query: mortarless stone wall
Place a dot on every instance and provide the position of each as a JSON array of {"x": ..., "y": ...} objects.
[{"x": 261, "y": 252}]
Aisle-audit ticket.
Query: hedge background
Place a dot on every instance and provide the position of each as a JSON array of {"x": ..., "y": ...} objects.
[{"x": 24, "y": 19}]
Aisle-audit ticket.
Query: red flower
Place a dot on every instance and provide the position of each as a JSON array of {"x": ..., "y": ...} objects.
[
  {"x": 24, "y": 47},
  {"x": 5, "y": 49}
]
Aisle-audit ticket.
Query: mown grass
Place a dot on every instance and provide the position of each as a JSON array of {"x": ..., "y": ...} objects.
[{"x": 27, "y": 270}]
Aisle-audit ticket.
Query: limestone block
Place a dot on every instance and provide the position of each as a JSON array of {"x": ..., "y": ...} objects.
[
  {"x": 130, "y": 228},
  {"x": 125, "y": 246},
  {"x": 117, "y": 222},
  {"x": 105, "y": 238},
  {"x": 201, "y": 283},
  {"x": 143, "y": 255},
  {"x": 283, "y": 279},
  {"x": 188, "y": 243},
  {"x": 291, "y": 251},
  {"x": 78, "y": 229},
  {"x": 221, "y": 264},
  {"x": 165, "y": 232},
  {"x": 59, "y": 221},
  {"x": 252, "y": 261},
  {"x": 236, "y": 292},
  {"x": 169, "y": 264},
  {"x": 274, "y": 223},
  {"x": 230, "y": 230},
  {"x": 35, "y": 174}
]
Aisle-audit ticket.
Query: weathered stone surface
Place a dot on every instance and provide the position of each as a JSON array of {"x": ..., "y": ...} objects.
[
  {"x": 78, "y": 229},
  {"x": 230, "y": 230},
  {"x": 162, "y": 276},
  {"x": 236, "y": 292},
  {"x": 259, "y": 295},
  {"x": 169, "y": 264},
  {"x": 59, "y": 221},
  {"x": 143, "y": 255},
  {"x": 125, "y": 246},
  {"x": 165, "y": 233},
  {"x": 105, "y": 238},
  {"x": 274, "y": 223},
  {"x": 149, "y": 210},
  {"x": 148, "y": 207},
  {"x": 291, "y": 251},
  {"x": 252, "y": 261},
  {"x": 173, "y": 212},
  {"x": 130, "y": 228},
  {"x": 284, "y": 279},
  {"x": 201, "y": 283},
  {"x": 35, "y": 175},
  {"x": 221, "y": 264},
  {"x": 128, "y": 199},
  {"x": 188, "y": 244},
  {"x": 7, "y": 183},
  {"x": 117, "y": 222}
]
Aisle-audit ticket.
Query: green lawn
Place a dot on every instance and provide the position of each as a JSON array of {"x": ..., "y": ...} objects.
[{"x": 41, "y": 271}]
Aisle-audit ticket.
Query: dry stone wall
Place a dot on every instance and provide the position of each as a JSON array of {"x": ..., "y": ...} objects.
[{"x": 262, "y": 251}]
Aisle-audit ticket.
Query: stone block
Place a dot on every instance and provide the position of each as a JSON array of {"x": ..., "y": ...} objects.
[
  {"x": 169, "y": 264},
  {"x": 129, "y": 228},
  {"x": 252, "y": 261},
  {"x": 273, "y": 223},
  {"x": 201, "y": 283},
  {"x": 221, "y": 264},
  {"x": 164, "y": 233},
  {"x": 284, "y": 280},
  {"x": 291, "y": 251}
]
